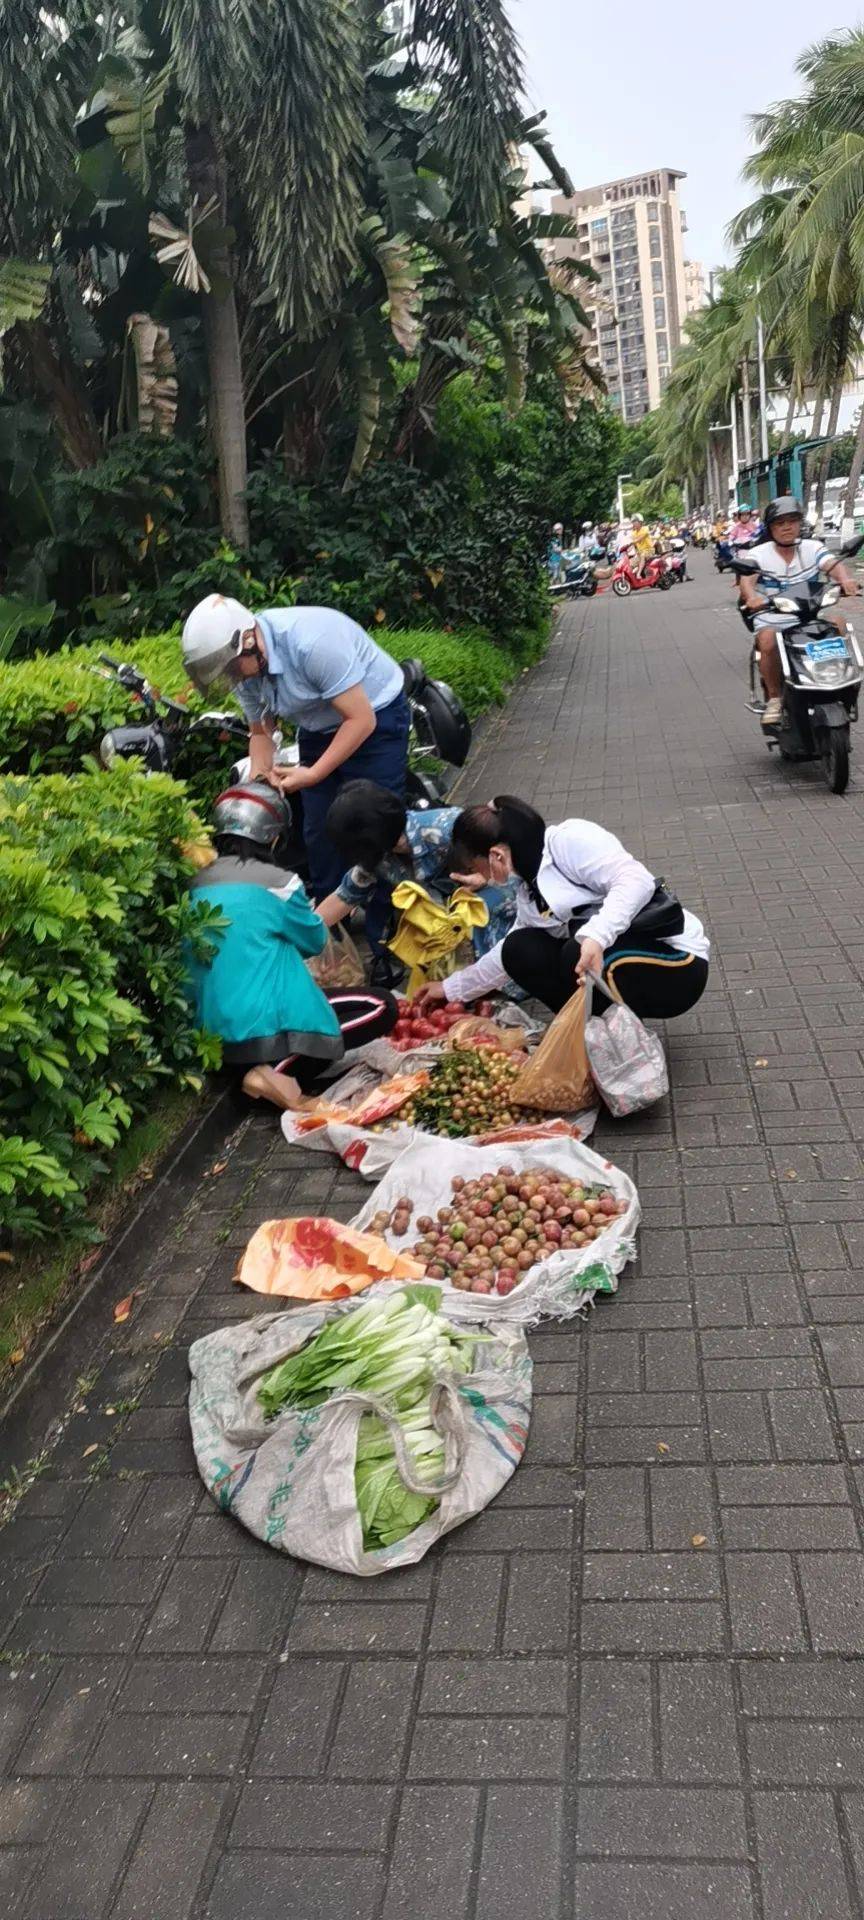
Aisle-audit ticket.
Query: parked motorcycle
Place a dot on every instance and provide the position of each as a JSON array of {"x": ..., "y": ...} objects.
[
  {"x": 440, "y": 730},
  {"x": 822, "y": 673},
  {"x": 579, "y": 581},
  {"x": 676, "y": 562},
  {"x": 626, "y": 580}
]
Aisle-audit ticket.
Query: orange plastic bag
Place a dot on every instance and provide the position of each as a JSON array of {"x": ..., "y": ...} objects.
[
  {"x": 557, "y": 1077},
  {"x": 319, "y": 1259}
]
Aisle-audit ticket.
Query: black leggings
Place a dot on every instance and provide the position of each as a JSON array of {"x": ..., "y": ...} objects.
[
  {"x": 363, "y": 1014},
  {"x": 655, "y": 980}
]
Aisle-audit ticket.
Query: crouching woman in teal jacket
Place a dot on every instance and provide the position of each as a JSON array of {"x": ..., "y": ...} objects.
[{"x": 254, "y": 990}]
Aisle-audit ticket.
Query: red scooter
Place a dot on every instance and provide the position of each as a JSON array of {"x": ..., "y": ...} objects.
[{"x": 626, "y": 580}]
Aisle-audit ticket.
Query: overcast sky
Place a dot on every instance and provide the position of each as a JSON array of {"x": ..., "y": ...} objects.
[{"x": 639, "y": 85}]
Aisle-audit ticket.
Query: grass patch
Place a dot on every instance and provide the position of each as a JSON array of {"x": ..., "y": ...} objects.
[{"x": 36, "y": 1284}]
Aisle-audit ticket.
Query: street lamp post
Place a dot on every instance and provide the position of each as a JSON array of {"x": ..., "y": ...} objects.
[{"x": 621, "y": 479}]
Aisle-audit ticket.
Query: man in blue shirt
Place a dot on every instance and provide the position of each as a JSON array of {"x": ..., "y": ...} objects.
[{"x": 317, "y": 668}]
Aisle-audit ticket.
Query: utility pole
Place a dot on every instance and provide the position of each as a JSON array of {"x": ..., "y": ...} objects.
[
  {"x": 734, "y": 425},
  {"x": 745, "y": 412},
  {"x": 763, "y": 394}
]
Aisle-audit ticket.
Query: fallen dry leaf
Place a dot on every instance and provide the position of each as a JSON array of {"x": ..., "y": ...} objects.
[
  {"x": 219, "y": 1167},
  {"x": 662, "y": 1447},
  {"x": 699, "y": 1540},
  {"x": 89, "y": 1260},
  {"x": 791, "y": 1174},
  {"x": 16, "y": 1358},
  {"x": 123, "y": 1308},
  {"x": 760, "y": 1063},
  {"x": 93, "y": 1448},
  {"x": 7, "y": 1257},
  {"x": 110, "y": 1409}
]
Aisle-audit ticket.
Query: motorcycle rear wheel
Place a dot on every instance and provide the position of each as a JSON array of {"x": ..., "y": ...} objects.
[
  {"x": 835, "y": 760},
  {"x": 664, "y": 583},
  {"x": 622, "y": 588}
]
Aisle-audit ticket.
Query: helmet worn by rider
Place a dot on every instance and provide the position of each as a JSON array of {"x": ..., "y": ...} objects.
[
  {"x": 251, "y": 811},
  {"x": 213, "y": 638},
  {"x": 785, "y": 507}
]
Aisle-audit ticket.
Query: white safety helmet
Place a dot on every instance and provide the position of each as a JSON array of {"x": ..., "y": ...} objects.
[{"x": 213, "y": 637}]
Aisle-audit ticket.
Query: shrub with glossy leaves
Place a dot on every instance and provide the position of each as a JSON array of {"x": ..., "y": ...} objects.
[{"x": 94, "y": 914}]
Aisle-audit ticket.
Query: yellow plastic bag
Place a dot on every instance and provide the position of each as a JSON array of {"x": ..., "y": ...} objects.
[{"x": 557, "y": 1077}]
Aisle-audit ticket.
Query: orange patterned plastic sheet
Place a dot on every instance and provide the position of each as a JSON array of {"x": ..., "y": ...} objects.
[
  {"x": 378, "y": 1105},
  {"x": 320, "y": 1259}
]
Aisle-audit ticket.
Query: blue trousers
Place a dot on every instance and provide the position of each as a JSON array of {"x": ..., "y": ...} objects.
[{"x": 382, "y": 758}]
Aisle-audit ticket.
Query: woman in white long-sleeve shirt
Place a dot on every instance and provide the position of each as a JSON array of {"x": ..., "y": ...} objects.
[{"x": 580, "y": 896}]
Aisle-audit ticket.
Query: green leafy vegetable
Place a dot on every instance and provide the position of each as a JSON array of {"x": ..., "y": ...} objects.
[{"x": 396, "y": 1349}]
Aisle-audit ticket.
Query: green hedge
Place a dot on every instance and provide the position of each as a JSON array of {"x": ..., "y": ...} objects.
[
  {"x": 54, "y": 708},
  {"x": 93, "y": 916}
]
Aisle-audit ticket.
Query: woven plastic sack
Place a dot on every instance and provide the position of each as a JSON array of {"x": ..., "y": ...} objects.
[
  {"x": 627, "y": 1062},
  {"x": 290, "y": 1481},
  {"x": 557, "y": 1078},
  {"x": 560, "y": 1286}
]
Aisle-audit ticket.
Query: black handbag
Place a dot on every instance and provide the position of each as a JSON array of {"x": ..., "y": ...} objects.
[{"x": 661, "y": 918}]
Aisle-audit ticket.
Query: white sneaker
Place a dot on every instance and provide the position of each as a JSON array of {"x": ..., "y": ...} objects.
[{"x": 773, "y": 713}]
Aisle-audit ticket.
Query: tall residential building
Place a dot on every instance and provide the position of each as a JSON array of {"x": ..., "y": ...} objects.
[
  {"x": 630, "y": 232},
  {"x": 695, "y": 289}
]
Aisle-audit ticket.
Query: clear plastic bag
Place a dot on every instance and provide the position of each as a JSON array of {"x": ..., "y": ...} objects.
[
  {"x": 627, "y": 1062},
  {"x": 338, "y": 966}
]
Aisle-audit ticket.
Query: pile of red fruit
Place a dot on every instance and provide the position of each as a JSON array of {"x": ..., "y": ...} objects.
[
  {"x": 501, "y": 1224},
  {"x": 415, "y": 1029}
]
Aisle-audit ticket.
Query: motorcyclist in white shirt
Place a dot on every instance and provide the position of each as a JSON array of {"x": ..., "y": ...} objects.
[
  {"x": 787, "y": 564},
  {"x": 585, "y": 906}
]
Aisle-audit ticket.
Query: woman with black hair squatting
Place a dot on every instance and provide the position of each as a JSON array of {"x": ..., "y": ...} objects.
[
  {"x": 584, "y": 906},
  {"x": 381, "y": 840}
]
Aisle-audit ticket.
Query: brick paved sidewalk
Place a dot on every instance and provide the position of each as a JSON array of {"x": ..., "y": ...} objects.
[{"x": 568, "y": 1710}]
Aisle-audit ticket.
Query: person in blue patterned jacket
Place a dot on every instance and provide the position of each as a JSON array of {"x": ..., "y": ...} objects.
[{"x": 384, "y": 840}]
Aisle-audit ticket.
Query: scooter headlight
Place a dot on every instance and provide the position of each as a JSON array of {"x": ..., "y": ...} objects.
[
  {"x": 829, "y": 673},
  {"x": 107, "y": 750}
]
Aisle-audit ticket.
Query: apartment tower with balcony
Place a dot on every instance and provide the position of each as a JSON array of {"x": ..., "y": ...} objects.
[{"x": 630, "y": 231}]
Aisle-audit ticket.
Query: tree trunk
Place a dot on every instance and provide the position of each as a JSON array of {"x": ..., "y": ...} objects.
[
  {"x": 226, "y": 409},
  {"x": 818, "y": 410},
  {"x": 856, "y": 468},
  {"x": 54, "y": 376},
  {"x": 833, "y": 416},
  {"x": 746, "y": 416},
  {"x": 790, "y": 416}
]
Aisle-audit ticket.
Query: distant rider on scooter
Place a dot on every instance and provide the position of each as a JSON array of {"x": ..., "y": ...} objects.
[
  {"x": 643, "y": 543},
  {"x": 786, "y": 564}
]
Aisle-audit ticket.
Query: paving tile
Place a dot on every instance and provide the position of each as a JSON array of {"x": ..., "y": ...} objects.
[
  {"x": 183, "y": 1820},
  {"x": 292, "y": 1741},
  {"x": 251, "y": 1886},
  {"x": 337, "y": 1817},
  {"x": 698, "y": 1737},
  {"x": 520, "y": 1861},
  {"x": 170, "y": 1743},
  {"x": 488, "y": 1749},
  {"x": 833, "y": 1586},
  {"x": 763, "y": 1603},
  {"x": 425, "y": 1878},
  {"x": 615, "y": 1508},
  {"x": 616, "y": 1735},
  {"x": 800, "y": 1857},
  {"x": 652, "y": 1627},
  {"x": 96, "y": 1825},
  {"x": 675, "y": 1822},
  {"x": 373, "y": 1721},
  {"x": 494, "y": 1686},
  {"x": 609, "y": 1890},
  {"x": 537, "y": 1613},
  {"x": 468, "y": 1604}
]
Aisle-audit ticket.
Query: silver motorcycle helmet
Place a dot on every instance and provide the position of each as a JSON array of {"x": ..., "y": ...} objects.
[{"x": 252, "y": 811}]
